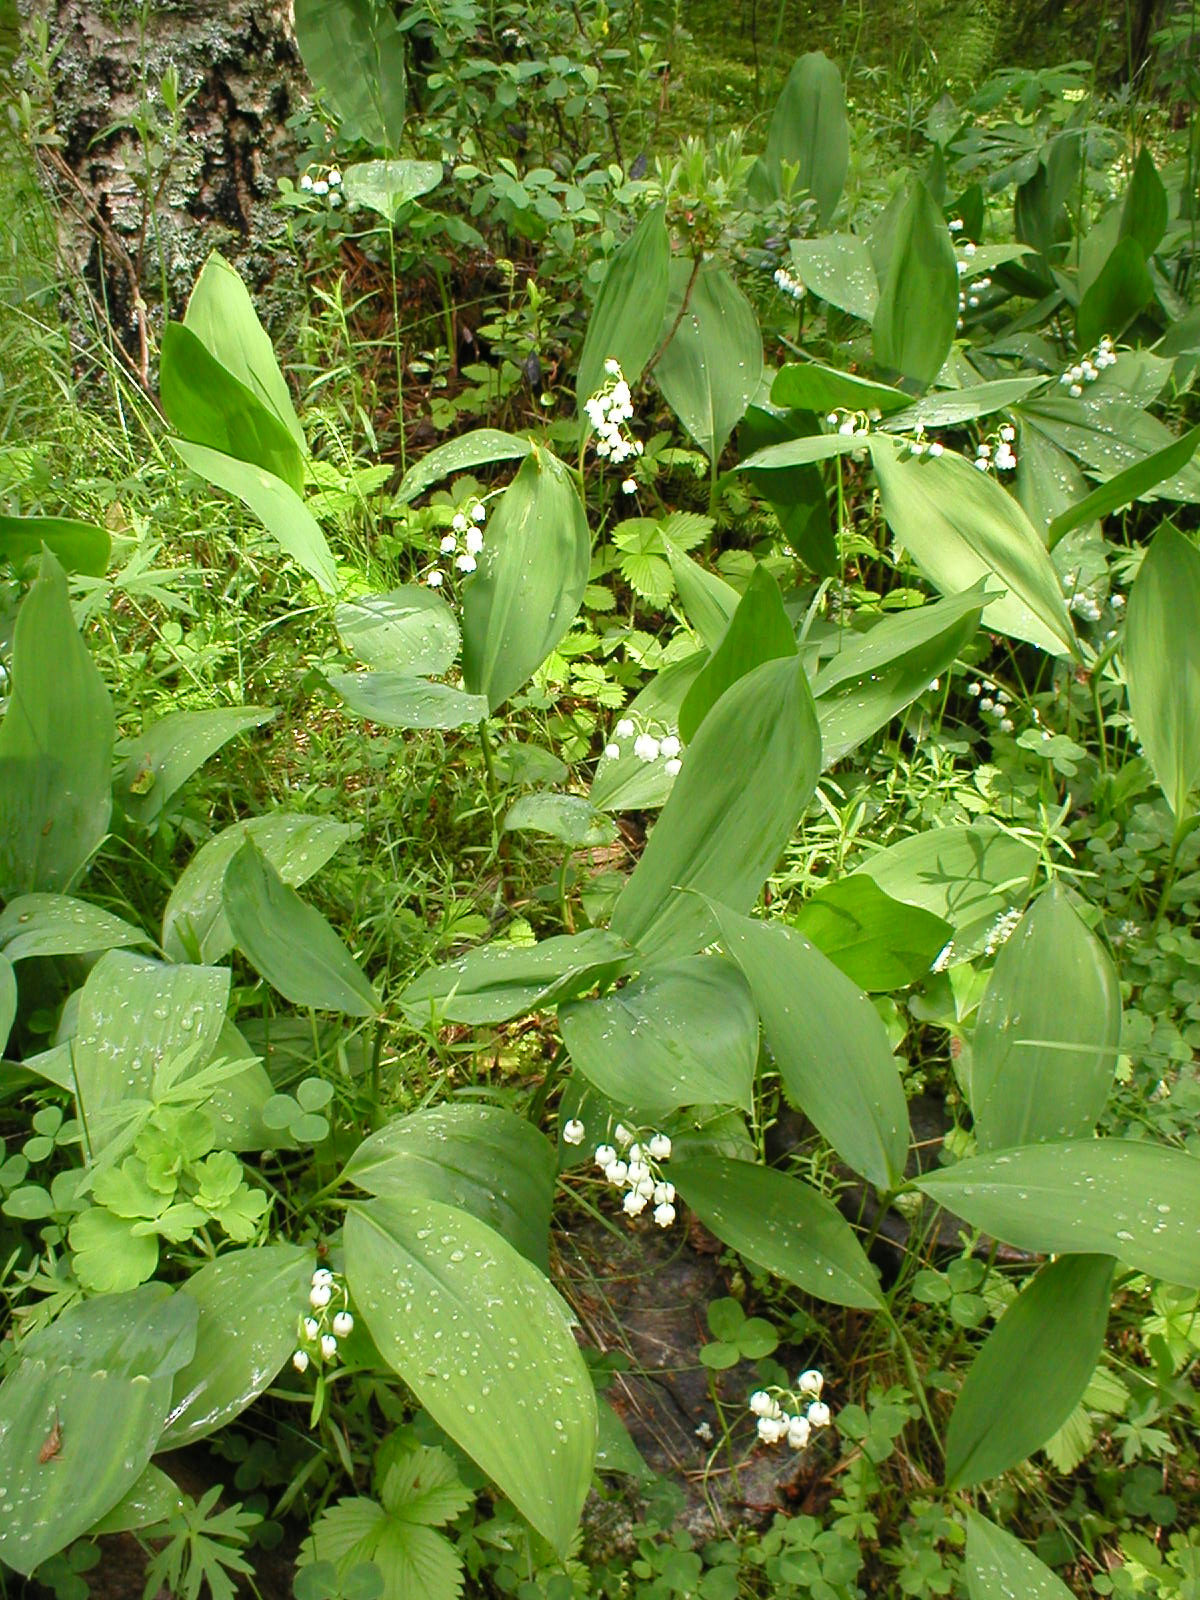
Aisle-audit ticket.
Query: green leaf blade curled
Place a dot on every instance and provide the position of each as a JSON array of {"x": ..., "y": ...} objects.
[
  {"x": 386, "y": 187},
  {"x": 354, "y": 53},
  {"x": 289, "y": 942},
  {"x": 530, "y": 581},
  {"x": 1123, "y": 287},
  {"x": 915, "y": 319},
  {"x": 879, "y": 943},
  {"x": 206, "y": 405},
  {"x": 627, "y": 319},
  {"x": 780, "y": 1224},
  {"x": 498, "y": 982},
  {"x": 999, "y": 1567},
  {"x": 745, "y": 782},
  {"x": 809, "y": 130},
  {"x": 1162, "y": 665},
  {"x": 77, "y": 546},
  {"x": 960, "y": 526},
  {"x": 275, "y": 503},
  {"x": 1130, "y": 1199},
  {"x": 1047, "y": 1032},
  {"x": 479, "y": 1158},
  {"x": 1044, "y": 1349},
  {"x": 56, "y": 743},
  {"x": 160, "y": 760},
  {"x": 758, "y": 631},
  {"x": 683, "y": 1033},
  {"x": 395, "y": 700},
  {"x": 221, "y": 314},
  {"x": 712, "y": 367},
  {"x": 829, "y": 1044},
  {"x": 485, "y": 1345}
]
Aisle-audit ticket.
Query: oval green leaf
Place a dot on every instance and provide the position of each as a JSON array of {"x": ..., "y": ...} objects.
[
  {"x": 627, "y": 318},
  {"x": 1162, "y": 664}
]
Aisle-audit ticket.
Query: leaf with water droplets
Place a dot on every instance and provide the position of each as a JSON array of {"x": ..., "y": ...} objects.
[
  {"x": 1044, "y": 1349},
  {"x": 1132, "y": 1199},
  {"x": 499, "y": 981},
  {"x": 485, "y": 1344},
  {"x": 1047, "y": 1032},
  {"x": 160, "y": 760},
  {"x": 248, "y": 1303},
  {"x": 479, "y": 448},
  {"x": 481, "y": 1158},
  {"x": 684, "y": 1033},
  {"x": 999, "y": 1567},
  {"x": 408, "y": 630},
  {"x": 628, "y": 314},
  {"x": 712, "y": 367},
  {"x": 59, "y": 925},
  {"x": 780, "y": 1224}
]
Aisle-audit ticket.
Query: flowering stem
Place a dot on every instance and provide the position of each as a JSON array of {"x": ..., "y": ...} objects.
[{"x": 914, "y": 1376}]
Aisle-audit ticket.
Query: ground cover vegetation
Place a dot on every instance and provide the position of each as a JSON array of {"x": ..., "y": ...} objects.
[{"x": 658, "y": 711}]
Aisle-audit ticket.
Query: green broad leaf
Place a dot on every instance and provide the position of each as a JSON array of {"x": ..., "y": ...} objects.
[
  {"x": 1122, "y": 289},
  {"x": 1041, "y": 198},
  {"x": 684, "y": 1033},
  {"x": 780, "y": 1224},
  {"x": 408, "y": 631},
  {"x": 879, "y": 943},
  {"x": 915, "y": 320},
  {"x": 966, "y": 874},
  {"x": 627, "y": 318},
  {"x": 1127, "y": 486},
  {"x": 746, "y": 781},
  {"x": 615, "y": 1450},
  {"x": 101, "y": 1427},
  {"x": 758, "y": 631},
  {"x": 8, "y": 1000},
  {"x": 159, "y": 761},
  {"x": 1047, "y": 1032},
  {"x": 626, "y": 782},
  {"x": 354, "y": 53},
  {"x": 56, "y": 743},
  {"x": 498, "y": 982},
  {"x": 289, "y": 942},
  {"x": 134, "y": 1015},
  {"x": 960, "y": 526},
  {"x": 1162, "y": 665},
  {"x": 1145, "y": 210},
  {"x": 249, "y": 1302},
  {"x": 876, "y": 674},
  {"x": 1044, "y": 1349},
  {"x": 1049, "y": 483},
  {"x": 485, "y": 1345},
  {"x": 195, "y": 924},
  {"x": 480, "y": 1158},
  {"x": 829, "y": 1044},
  {"x": 796, "y": 495},
  {"x": 712, "y": 367},
  {"x": 1107, "y": 434},
  {"x": 1134, "y": 1200},
  {"x": 386, "y": 187},
  {"x": 808, "y": 386},
  {"x": 395, "y": 700},
  {"x": 950, "y": 410},
  {"x": 221, "y": 314},
  {"x": 58, "y": 925},
  {"x": 530, "y": 580},
  {"x": 275, "y": 503},
  {"x": 207, "y": 405},
  {"x": 479, "y": 448},
  {"x": 999, "y": 1566},
  {"x": 569, "y": 817},
  {"x": 838, "y": 269},
  {"x": 153, "y": 1498},
  {"x": 708, "y": 601},
  {"x": 77, "y": 546},
  {"x": 147, "y": 1332},
  {"x": 808, "y": 130},
  {"x": 800, "y": 452}
]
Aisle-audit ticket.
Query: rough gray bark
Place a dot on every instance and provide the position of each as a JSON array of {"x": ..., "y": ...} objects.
[{"x": 128, "y": 233}]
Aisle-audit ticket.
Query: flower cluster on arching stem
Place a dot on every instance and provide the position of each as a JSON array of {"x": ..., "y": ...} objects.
[
  {"x": 328, "y": 1320},
  {"x": 327, "y": 187},
  {"x": 608, "y": 410},
  {"x": 792, "y": 1415},
  {"x": 463, "y": 542},
  {"x": 788, "y": 284},
  {"x": 648, "y": 747},
  {"x": 633, "y": 1164},
  {"x": 1089, "y": 369}
]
